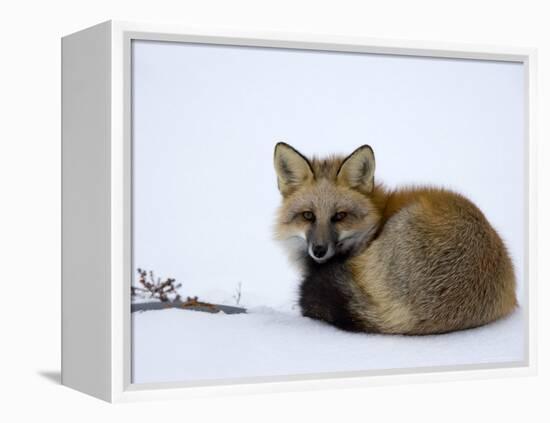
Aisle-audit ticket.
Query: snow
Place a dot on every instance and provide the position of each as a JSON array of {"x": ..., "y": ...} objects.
[{"x": 183, "y": 346}]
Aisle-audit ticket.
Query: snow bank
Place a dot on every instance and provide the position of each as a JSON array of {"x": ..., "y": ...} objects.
[{"x": 181, "y": 345}]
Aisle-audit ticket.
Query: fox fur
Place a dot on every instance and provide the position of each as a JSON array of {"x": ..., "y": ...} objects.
[{"x": 414, "y": 261}]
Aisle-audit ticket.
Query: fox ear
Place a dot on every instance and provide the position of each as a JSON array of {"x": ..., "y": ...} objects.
[
  {"x": 292, "y": 168},
  {"x": 357, "y": 170}
]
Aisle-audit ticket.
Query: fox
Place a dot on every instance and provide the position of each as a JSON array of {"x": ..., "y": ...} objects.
[{"x": 415, "y": 260}]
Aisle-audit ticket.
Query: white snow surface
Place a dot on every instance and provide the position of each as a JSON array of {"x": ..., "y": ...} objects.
[{"x": 187, "y": 346}]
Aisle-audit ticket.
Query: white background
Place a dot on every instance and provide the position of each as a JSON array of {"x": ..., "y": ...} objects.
[
  {"x": 29, "y": 174},
  {"x": 206, "y": 119}
]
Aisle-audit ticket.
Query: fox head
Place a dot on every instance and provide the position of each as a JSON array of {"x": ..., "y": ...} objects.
[{"x": 327, "y": 206}]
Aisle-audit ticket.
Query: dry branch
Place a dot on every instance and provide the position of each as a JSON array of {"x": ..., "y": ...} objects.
[{"x": 156, "y": 288}]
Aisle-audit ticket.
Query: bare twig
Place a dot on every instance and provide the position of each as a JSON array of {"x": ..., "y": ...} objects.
[
  {"x": 163, "y": 291},
  {"x": 238, "y": 293}
]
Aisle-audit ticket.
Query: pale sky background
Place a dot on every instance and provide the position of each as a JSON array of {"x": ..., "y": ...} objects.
[{"x": 206, "y": 119}]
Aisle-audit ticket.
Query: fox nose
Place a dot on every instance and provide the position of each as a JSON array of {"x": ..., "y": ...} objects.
[{"x": 319, "y": 251}]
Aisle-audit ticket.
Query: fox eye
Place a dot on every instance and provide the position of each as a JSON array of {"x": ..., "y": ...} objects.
[
  {"x": 309, "y": 216},
  {"x": 339, "y": 216}
]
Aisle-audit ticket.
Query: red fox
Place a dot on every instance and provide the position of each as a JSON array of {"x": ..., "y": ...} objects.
[{"x": 406, "y": 261}]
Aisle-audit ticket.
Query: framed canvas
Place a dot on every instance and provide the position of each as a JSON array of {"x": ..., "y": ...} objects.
[{"x": 263, "y": 212}]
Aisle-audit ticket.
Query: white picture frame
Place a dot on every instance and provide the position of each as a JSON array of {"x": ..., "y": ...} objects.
[{"x": 97, "y": 212}]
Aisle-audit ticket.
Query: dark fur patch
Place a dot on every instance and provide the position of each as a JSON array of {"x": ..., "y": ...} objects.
[
  {"x": 287, "y": 173},
  {"x": 325, "y": 294},
  {"x": 364, "y": 169}
]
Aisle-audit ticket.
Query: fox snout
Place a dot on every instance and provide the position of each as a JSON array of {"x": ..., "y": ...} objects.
[
  {"x": 319, "y": 251},
  {"x": 321, "y": 246}
]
